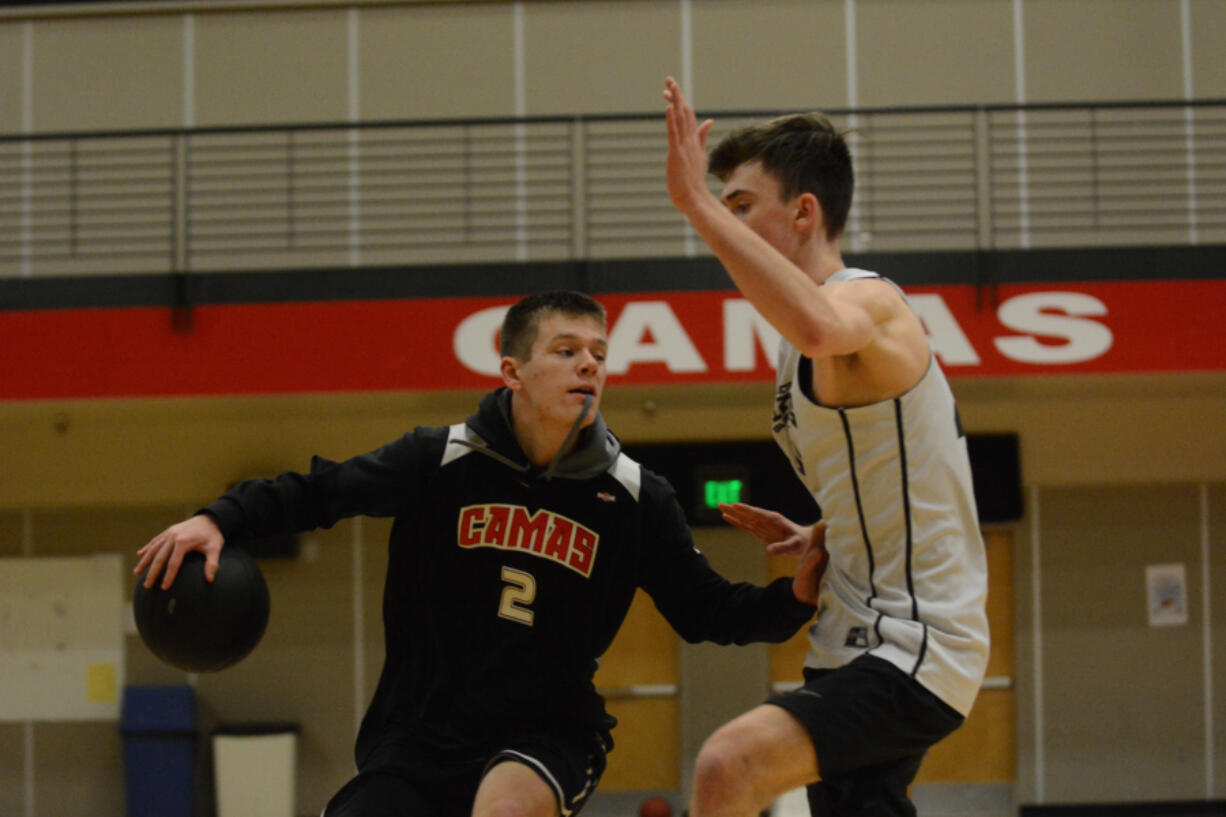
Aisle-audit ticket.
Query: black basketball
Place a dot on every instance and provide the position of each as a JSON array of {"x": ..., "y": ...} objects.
[{"x": 202, "y": 626}]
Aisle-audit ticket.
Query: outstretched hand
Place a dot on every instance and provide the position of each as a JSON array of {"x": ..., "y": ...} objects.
[
  {"x": 687, "y": 149},
  {"x": 783, "y": 536},
  {"x": 170, "y": 546}
]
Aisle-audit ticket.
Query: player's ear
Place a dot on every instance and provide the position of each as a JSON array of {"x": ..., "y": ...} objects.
[
  {"x": 509, "y": 368},
  {"x": 809, "y": 216}
]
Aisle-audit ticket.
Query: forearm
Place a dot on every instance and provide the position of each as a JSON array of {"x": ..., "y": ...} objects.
[
  {"x": 265, "y": 507},
  {"x": 774, "y": 615},
  {"x": 741, "y": 613},
  {"x": 377, "y": 484},
  {"x": 785, "y": 296},
  {"x": 702, "y": 605},
  {"x": 698, "y": 602}
]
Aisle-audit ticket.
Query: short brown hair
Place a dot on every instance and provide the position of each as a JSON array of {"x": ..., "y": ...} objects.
[
  {"x": 804, "y": 152},
  {"x": 520, "y": 325}
]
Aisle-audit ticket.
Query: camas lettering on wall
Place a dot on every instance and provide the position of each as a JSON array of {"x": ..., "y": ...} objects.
[{"x": 691, "y": 337}]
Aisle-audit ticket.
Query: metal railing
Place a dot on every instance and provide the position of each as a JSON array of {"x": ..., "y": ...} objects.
[{"x": 285, "y": 197}]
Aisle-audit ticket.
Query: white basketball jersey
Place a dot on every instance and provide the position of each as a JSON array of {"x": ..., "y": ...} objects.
[{"x": 907, "y": 578}]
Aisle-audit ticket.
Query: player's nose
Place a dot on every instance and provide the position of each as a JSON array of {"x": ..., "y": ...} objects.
[{"x": 588, "y": 362}]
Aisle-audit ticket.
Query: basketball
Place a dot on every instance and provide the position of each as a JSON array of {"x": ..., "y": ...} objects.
[
  {"x": 655, "y": 807},
  {"x": 202, "y": 626}
]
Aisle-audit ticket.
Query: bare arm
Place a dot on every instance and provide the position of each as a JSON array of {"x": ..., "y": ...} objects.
[{"x": 818, "y": 321}]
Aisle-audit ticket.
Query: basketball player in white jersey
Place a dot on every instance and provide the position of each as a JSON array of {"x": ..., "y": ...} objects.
[{"x": 863, "y": 411}]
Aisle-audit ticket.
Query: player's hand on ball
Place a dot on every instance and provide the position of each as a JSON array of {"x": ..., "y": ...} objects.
[{"x": 168, "y": 548}]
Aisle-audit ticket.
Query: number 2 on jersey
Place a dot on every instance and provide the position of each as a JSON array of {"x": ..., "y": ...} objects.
[{"x": 518, "y": 593}]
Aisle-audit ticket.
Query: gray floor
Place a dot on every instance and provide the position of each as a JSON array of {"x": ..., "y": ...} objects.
[
  {"x": 626, "y": 803},
  {"x": 931, "y": 800}
]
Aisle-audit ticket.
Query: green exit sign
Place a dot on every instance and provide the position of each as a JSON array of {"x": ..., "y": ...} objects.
[
  {"x": 715, "y": 484},
  {"x": 715, "y": 491}
]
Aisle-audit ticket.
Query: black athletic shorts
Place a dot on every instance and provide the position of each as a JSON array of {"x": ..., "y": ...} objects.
[
  {"x": 402, "y": 779},
  {"x": 871, "y": 725}
]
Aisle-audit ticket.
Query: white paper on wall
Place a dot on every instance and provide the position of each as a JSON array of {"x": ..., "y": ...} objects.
[{"x": 1167, "y": 591}]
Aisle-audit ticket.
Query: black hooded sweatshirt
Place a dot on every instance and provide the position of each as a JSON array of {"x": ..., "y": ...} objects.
[{"x": 506, "y": 582}]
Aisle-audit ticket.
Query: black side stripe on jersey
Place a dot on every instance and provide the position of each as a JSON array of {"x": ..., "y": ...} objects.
[
  {"x": 906, "y": 509},
  {"x": 906, "y": 504},
  {"x": 855, "y": 485},
  {"x": 923, "y": 651}
]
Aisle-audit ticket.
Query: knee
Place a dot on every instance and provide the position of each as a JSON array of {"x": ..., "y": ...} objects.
[{"x": 722, "y": 770}]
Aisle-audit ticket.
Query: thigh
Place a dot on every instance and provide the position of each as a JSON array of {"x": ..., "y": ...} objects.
[
  {"x": 866, "y": 714},
  {"x": 512, "y": 787},
  {"x": 547, "y": 773},
  {"x": 767, "y": 745},
  {"x": 380, "y": 794}
]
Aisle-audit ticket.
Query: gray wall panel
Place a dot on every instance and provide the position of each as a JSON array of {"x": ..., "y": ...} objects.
[
  {"x": 257, "y": 68},
  {"x": 1110, "y": 680},
  {"x": 1102, "y": 50},
  {"x": 108, "y": 74},
  {"x": 719, "y": 683},
  {"x": 792, "y": 55},
  {"x": 12, "y": 48},
  {"x": 934, "y": 53},
  {"x": 1208, "y": 30},
  {"x": 599, "y": 57},
  {"x": 444, "y": 62}
]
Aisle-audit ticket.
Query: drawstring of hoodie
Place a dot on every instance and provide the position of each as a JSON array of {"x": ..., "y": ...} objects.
[
  {"x": 557, "y": 458},
  {"x": 570, "y": 438}
]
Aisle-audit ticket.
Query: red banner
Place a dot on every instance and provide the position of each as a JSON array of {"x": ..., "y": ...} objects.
[{"x": 658, "y": 337}]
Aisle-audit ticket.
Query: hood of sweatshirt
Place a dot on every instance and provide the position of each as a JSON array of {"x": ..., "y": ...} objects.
[{"x": 594, "y": 451}]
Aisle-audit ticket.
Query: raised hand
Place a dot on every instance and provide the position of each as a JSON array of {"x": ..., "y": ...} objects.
[
  {"x": 687, "y": 149},
  {"x": 170, "y": 546}
]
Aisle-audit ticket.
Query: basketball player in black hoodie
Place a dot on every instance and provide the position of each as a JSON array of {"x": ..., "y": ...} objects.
[{"x": 520, "y": 537}]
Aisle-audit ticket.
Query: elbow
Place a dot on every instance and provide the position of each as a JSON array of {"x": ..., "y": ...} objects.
[
  {"x": 816, "y": 332},
  {"x": 691, "y": 635},
  {"x": 699, "y": 634},
  {"x": 818, "y": 339},
  {"x": 812, "y": 341}
]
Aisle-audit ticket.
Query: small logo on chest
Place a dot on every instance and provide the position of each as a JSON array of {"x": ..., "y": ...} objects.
[{"x": 543, "y": 533}]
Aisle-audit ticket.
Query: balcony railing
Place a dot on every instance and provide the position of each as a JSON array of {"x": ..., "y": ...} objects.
[{"x": 285, "y": 197}]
